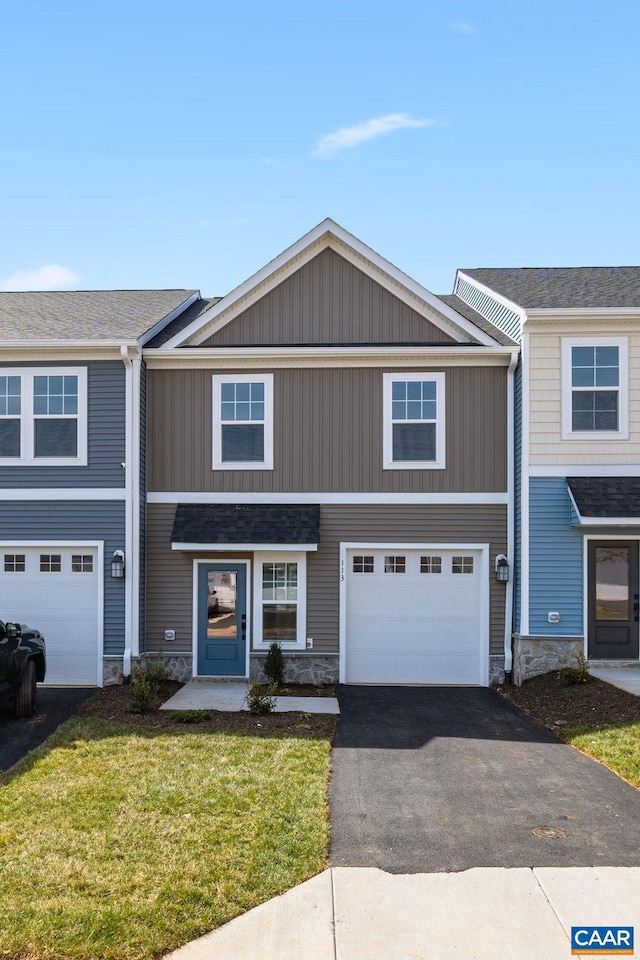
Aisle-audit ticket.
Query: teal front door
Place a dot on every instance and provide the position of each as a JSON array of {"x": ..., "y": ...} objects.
[{"x": 222, "y": 619}]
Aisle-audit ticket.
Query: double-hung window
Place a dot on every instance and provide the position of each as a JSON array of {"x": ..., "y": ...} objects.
[
  {"x": 280, "y": 591},
  {"x": 414, "y": 421},
  {"x": 595, "y": 389},
  {"x": 43, "y": 416},
  {"x": 243, "y": 422}
]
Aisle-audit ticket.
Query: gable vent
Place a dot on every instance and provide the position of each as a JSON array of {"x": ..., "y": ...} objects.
[{"x": 505, "y": 319}]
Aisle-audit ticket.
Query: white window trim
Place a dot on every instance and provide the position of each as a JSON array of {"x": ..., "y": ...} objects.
[
  {"x": 267, "y": 380},
  {"x": 388, "y": 462},
  {"x": 269, "y": 556},
  {"x": 27, "y": 417},
  {"x": 622, "y": 433}
]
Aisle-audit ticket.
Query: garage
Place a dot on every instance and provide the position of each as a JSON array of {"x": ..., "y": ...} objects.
[
  {"x": 56, "y": 588},
  {"x": 415, "y": 614}
]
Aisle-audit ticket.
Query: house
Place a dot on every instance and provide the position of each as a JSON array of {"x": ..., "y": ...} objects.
[
  {"x": 577, "y": 483},
  {"x": 328, "y": 466},
  {"x": 72, "y": 393}
]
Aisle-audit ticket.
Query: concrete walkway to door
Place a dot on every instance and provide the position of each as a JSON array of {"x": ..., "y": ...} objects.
[{"x": 430, "y": 779}]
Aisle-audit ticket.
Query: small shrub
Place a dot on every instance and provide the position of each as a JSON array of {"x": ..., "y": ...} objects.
[
  {"x": 578, "y": 674},
  {"x": 190, "y": 716},
  {"x": 260, "y": 698},
  {"x": 146, "y": 684},
  {"x": 274, "y": 664}
]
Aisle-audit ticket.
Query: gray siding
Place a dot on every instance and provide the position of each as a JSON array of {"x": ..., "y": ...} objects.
[
  {"x": 142, "y": 559},
  {"x": 328, "y": 434},
  {"x": 35, "y": 521},
  {"x": 170, "y": 592},
  {"x": 106, "y": 435},
  {"x": 328, "y": 301}
]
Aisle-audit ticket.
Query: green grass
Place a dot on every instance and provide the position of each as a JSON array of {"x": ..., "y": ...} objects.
[
  {"x": 120, "y": 842},
  {"x": 616, "y": 746}
]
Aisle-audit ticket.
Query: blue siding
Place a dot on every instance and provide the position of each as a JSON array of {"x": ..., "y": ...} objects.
[
  {"x": 106, "y": 435},
  {"x": 71, "y": 520},
  {"x": 517, "y": 573},
  {"x": 555, "y": 558}
]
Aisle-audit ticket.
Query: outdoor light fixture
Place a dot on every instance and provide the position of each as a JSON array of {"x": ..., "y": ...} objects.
[
  {"x": 502, "y": 568},
  {"x": 117, "y": 565}
]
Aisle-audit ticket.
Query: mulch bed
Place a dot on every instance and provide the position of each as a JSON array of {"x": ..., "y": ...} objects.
[
  {"x": 556, "y": 703},
  {"x": 114, "y": 704}
]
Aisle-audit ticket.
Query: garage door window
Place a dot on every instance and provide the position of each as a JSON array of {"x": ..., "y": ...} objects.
[
  {"x": 81, "y": 563},
  {"x": 395, "y": 564},
  {"x": 363, "y": 565},
  {"x": 14, "y": 563},
  {"x": 430, "y": 564},
  {"x": 413, "y": 421},
  {"x": 462, "y": 565},
  {"x": 50, "y": 563}
]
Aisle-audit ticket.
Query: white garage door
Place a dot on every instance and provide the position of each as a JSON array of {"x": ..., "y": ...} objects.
[
  {"x": 414, "y": 616},
  {"x": 55, "y": 589}
]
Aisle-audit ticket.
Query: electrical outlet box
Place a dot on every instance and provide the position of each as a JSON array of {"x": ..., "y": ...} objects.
[
  {"x": 169, "y": 635},
  {"x": 553, "y": 617},
  {"x": 309, "y": 643}
]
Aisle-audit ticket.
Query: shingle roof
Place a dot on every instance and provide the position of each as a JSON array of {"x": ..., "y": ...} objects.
[
  {"x": 470, "y": 314},
  {"x": 246, "y": 523},
  {"x": 564, "y": 287},
  {"x": 182, "y": 321},
  {"x": 606, "y": 496},
  {"x": 85, "y": 314}
]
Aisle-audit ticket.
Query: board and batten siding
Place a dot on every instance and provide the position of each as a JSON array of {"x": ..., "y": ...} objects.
[
  {"x": 68, "y": 521},
  {"x": 555, "y": 560},
  {"x": 546, "y": 445},
  {"x": 106, "y": 434},
  {"x": 328, "y": 301},
  {"x": 170, "y": 583},
  {"x": 328, "y": 427}
]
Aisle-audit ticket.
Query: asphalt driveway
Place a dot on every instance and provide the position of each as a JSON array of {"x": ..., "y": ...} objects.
[
  {"x": 54, "y": 706},
  {"x": 429, "y": 779}
]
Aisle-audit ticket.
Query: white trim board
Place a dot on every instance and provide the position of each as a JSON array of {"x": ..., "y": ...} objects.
[
  {"x": 584, "y": 470},
  {"x": 327, "y": 235},
  {"x": 390, "y": 499},
  {"x": 53, "y": 494}
]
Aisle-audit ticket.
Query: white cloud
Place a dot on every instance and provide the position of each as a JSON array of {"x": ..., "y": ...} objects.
[
  {"x": 49, "y": 277},
  {"x": 463, "y": 26},
  {"x": 352, "y": 136}
]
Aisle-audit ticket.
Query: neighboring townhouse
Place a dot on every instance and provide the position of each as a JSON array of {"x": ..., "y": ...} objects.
[
  {"x": 577, "y": 458},
  {"x": 72, "y": 469},
  {"x": 329, "y": 451}
]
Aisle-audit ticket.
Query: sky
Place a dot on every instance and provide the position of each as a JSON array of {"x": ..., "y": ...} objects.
[{"x": 186, "y": 144}]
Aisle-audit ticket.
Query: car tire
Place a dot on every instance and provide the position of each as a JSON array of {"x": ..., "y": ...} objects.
[{"x": 26, "y": 697}]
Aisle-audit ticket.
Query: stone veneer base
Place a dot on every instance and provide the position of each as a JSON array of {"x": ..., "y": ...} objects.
[{"x": 533, "y": 656}]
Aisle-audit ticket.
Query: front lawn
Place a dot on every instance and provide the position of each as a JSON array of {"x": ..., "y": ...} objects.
[
  {"x": 125, "y": 841},
  {"x": 617, "y": 747}
]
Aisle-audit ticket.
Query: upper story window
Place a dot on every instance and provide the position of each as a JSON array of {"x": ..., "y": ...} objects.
[
  {"x": 414, "y": 421},
  {"x": 595, "y": 388},
  {"x": 43, "y": 416},
  {"x": 243, "y": 422}
]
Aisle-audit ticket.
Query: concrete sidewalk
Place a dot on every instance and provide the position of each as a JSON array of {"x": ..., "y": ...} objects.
[
  {"x": 625, "y": 677},
  {"x": 232, "y": 697},
  {"x": 480, "y": 914}
]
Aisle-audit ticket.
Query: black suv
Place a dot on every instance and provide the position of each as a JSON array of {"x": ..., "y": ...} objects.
[{"x": 22, "y": 665}]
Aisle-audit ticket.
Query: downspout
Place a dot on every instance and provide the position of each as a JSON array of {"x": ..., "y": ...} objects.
[
  {"x": 511, "y": 519},
  {"x": 132, "y": 508}
]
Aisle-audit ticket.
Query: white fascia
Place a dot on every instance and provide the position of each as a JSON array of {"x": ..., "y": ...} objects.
[
  {"x": 349, "y": 497},
  {"x": 490, "y": 292},
  {"x": 161, "y": 324},
  {"x": 283, "y": 357},
  {"x": 324, "y": 235},
  {"x": 47, "y": 351},
  {"x": 582, "y": 470}
]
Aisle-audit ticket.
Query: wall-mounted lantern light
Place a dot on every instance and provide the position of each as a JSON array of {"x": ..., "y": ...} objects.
[
  {"x": 117, "y": 565},
  {"x": 502, "y": 568}
]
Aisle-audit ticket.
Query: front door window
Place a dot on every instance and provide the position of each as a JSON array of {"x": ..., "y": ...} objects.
[
  {"x": 613, "y": 600},
  {"x": 222, "y": 620}
]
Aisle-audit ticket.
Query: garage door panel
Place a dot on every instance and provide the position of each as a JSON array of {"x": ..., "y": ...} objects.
[
  {"x": 62, "y": 604},
  {"x": 414, "y": 627}
]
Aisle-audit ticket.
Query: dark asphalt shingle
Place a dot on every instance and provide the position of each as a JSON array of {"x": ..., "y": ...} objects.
[
  {"x": 246, "y": 523},
  {"x": 564, "y": 287},
  {"x": 606, "y": 496}
]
